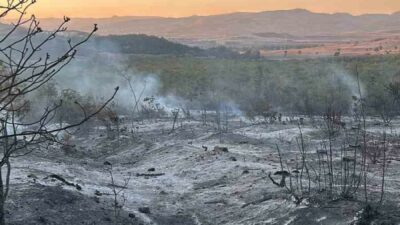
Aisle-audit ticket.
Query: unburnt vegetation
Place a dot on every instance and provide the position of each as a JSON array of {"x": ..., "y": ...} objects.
[{"x": 299, "y": 86}]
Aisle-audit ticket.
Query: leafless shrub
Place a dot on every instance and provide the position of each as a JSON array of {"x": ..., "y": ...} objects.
[
  {"x": 117, "y": 192},
  {"x": 342, "y": 162},
  {"x": 25, "y": 67}
]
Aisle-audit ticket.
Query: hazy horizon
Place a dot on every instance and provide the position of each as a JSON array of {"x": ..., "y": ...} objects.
[
  {"x": 178, "y": 9},
  {"x": 179, "y": 17}
]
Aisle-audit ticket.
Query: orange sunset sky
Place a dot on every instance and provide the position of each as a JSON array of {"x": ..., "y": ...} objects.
[{"x": 182, "y": 8}]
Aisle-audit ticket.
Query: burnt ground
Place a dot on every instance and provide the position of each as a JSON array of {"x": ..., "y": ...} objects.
[
  {"x": 179, "y": 182},
  {"x": 38, "y": 204}
]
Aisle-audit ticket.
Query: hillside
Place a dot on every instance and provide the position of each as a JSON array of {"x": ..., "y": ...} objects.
[
  {"x": 137, "y": 44},
  {"x": 125, "y": 44},
  {"x": 142, "y": 44},
  {"x": 152, "y": 45}
]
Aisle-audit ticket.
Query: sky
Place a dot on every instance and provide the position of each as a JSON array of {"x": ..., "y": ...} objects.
[{"x": 183, "y": 8}]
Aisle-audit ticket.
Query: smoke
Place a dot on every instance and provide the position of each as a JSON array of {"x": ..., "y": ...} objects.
[
  {"x": 99, "y": 81},
  {"x": 355, "y": 86},
  {"x": 96, "y": 74},
  {"x": 171, "y": 102}
]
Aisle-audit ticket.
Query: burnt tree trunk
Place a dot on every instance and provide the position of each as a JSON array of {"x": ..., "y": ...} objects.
[{"x": 2, "y": 200}]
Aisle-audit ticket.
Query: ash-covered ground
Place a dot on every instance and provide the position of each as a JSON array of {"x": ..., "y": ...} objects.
[{"x": 180, "y": 177}]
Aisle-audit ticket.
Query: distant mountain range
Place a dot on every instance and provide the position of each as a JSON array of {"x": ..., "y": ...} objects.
[
  {"x": 272, "y": 30},
  {"x": 294, "y": 23}
]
